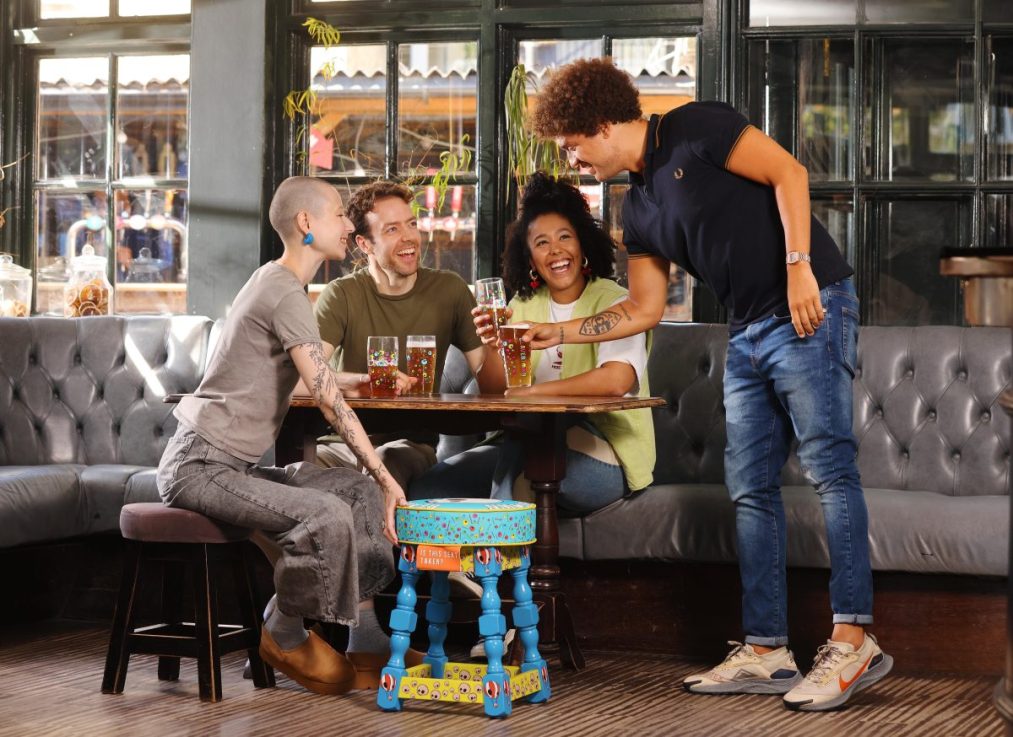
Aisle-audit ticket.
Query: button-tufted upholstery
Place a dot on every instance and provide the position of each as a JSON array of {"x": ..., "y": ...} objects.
[
  {"x": 81, "y": 416},
  {"x": 934, "y": 454}
]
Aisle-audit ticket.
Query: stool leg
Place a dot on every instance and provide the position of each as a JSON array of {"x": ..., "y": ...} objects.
[
  {"x": 525, "y": 615},
  {"x": 172, "y": 613},
  {"x": 209, "y": 664},
  {"x": 492, "y": 626},
  {"x": 438, "y": 614},
  {"x": 242, "y": 566},
  {"x": 402, "y": 621},
  {"x": 118, "y": 654}
]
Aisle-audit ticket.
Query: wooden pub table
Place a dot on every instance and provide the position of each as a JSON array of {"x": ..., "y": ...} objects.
[{"x": 541, "y": 424}]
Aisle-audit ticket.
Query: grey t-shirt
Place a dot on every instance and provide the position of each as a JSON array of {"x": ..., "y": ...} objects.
[{"x": 244, "y": 395}]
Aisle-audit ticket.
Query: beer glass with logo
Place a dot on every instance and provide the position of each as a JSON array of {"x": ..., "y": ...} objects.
[
  {"x": 381, "y": 359},
  {"x": 491, "y": 297},
  {"x": 422, "y": 363},
  {"x": 516, "y": 355}
]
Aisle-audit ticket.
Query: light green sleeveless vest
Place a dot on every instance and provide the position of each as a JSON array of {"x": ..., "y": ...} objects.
[{"x": 629, "y": 432}]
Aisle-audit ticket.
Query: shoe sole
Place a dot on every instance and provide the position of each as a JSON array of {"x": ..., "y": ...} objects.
[
  {"x": 869, "y": 678},
  {"x": 759, "y": 686},
  {"x": 320, "y": 687}
]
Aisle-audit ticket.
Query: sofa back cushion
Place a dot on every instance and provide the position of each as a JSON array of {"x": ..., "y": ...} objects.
[
  {"x": 90, "y": 390},
  {"x": 927, "y": 415}
]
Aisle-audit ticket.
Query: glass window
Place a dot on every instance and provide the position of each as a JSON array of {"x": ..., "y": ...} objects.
[
  {"x": 997, "y": 11},
  {"x": 927, "y": 111},
  {"x": 999, "y": 133},
  {"x": 923, "y": 11},
  {"x": 151, "y": 265},
  {"x": 837, "y": 215},
  {"x": 766, "y": 13},
  {"x": 801, "y": 95},
  {"x": 448, "y": 233},
  {"x": 73, "y": 118},
  {"x": 664, "y": 70},
  {"x": 154, "y": 7},
  {"x": 999, "y": 221},
  {"x": 348, "y": 131},
  {"x": 64, "y": 223},
  {"x": 437, "y": 100},
  {"x": 73, "y": 8},
  {"x": 908, "y": 289},
  {"x": 151, "y": 105}
]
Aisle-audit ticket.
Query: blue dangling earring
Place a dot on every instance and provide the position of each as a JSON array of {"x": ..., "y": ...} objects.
[{"x": 307, "y": 240}]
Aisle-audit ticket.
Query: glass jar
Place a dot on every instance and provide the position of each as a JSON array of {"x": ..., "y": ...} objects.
[
  {"x": 88, "y": 292},
  {"x": 15, "y": 288}
]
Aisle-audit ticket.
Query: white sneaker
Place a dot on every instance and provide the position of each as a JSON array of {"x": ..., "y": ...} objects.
[
  {"x": 746, "y": 671},
  {"x": 839, "y": 670},
  {"x": 463, "y": 586},
  {"x": 478, "y": 649}
]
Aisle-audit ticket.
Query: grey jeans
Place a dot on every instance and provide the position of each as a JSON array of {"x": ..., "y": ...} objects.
[{"x": 327, "y": 522}]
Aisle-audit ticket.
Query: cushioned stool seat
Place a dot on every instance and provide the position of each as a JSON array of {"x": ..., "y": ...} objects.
[
  {"x": 483, "y": 537},
  {"x": 179, "y": 540}
]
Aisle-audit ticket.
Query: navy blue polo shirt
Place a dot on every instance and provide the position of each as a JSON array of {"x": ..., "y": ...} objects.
[{"x": 723, "y": 229}]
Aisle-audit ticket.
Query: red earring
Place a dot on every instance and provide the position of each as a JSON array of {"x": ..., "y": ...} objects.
[
  {"x": 586, "y": 270},
  {"x": 535, "y": 281}
]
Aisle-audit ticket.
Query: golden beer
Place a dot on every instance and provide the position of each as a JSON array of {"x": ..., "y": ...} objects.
[
  {"x": 422, "y": 363},
  {"x": 516, "y": 355},
  {"x": 496, "y": 313},
  {"x": 383, "y": 380}
]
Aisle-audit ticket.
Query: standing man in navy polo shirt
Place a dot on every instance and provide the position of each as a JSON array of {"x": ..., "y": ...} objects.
[{"x": 721, "y": 199}]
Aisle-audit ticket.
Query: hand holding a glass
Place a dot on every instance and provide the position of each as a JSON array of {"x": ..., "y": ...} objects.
[
  {"x": 492, "y": 312},
  {"x": 385, "y": 380}
]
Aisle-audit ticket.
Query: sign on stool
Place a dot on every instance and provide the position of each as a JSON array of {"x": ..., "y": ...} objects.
[{"x": 484, "y": 537}]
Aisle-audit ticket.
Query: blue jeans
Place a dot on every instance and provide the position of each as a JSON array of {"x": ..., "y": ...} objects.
[
  {"x": 775, "y": 384},
  {"x": 491, "y": 469}
]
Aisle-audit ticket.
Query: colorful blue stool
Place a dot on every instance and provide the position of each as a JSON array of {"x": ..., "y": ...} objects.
[{"x": 480, "y": 536}]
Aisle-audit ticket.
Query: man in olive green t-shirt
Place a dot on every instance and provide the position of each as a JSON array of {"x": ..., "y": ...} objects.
[{"x": 393, "y": 295}]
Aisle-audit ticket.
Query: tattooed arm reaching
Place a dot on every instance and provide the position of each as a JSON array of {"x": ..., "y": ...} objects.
[
  {"x": 323, "y": 385},
  {"x": 642, "y": 310}
]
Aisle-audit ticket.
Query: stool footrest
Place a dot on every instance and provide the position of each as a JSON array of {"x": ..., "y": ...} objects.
[{"x": 462, "y": 683}]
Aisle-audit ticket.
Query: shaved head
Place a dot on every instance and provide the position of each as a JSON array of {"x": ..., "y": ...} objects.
[{"x": 295, "y": 195}]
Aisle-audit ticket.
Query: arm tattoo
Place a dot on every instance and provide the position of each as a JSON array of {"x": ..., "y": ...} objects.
[
  {"x": 623, "y": 308},
  {"x": 561, "y": 341},
  {"x": 600, "y": 324}
]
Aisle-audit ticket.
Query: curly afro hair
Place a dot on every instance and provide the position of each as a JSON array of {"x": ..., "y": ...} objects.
[
  {"x": 582, "y": 98},
  {"x": 541, "y": 196}
]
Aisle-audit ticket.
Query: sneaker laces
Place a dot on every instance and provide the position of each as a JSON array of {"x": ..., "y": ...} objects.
[
  {"x": 827, "y": 656},
  {"x": 738, "y": 652}
]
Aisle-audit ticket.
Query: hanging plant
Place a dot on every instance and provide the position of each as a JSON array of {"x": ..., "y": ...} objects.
[
  {"x": 299, "y": 104},
  {"x": 526, "y": 153}
]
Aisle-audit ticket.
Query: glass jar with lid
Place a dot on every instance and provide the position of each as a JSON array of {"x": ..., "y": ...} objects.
[
  {"x": 88, "y": 292},
  {"x": 15, "y": 288}
]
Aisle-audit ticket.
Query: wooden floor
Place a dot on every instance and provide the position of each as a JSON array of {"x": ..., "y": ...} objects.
[{"x": 50, "y": 676}]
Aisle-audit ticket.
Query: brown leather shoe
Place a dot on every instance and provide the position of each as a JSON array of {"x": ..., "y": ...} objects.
[
  {"x": 368, "y": 666},
  {"x": 314, "y": 664}
]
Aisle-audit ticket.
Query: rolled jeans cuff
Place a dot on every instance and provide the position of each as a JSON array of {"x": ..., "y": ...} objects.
[
  {"x": 852, "y": 619},
  {"x": 767, "y": 641}
]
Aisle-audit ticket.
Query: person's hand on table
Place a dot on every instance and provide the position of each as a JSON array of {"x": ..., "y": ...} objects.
[
  {"x": 484, "y": 327},
  {"x": 543, "y": 335},
  {"x": 405, "y": 383},
  {"x": 353, "y": 384},
  {"x": 521, "y": 391}
]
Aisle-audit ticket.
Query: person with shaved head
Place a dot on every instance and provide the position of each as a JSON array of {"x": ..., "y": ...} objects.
[{"x": 334, "y": 527}]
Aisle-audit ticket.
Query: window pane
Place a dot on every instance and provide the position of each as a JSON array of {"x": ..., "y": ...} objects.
[
  {"x": 801, "y": 95},
  {"x": 998, "y": 221},
  {"x": 348, "y": 130},
  {"x": 997, "y": 11},
  {"x": 664, "y": 70},
  {"x": 999, "y": 134},
  {"x": 927, "y": 120},
  {"x": 65, "y": 222},
  {"x": 437, "y": 97},
  {"x": 154, "y": 7},
  {"x": 73, "y": 9},
  {"x": 801, "y": 13},
  {"x": 837, "y": 215},
  {"x": 923, "y": 11},
  {"x": 151, "y": 255},
  {"x": 73, "y": 118},
  {"x": 151, "y": 105},
  {"x": 448, "y": 233},
  {"x": 909, "y": 289}
]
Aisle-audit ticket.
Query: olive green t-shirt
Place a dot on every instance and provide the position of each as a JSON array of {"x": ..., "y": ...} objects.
[{"x": 350, "y": 309}]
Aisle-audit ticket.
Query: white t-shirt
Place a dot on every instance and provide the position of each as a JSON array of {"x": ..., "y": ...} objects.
[{"x": 631, "y": 350}]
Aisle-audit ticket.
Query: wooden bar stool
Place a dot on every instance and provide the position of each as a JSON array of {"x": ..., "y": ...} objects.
[
  {"x": 178, "y": 540},
  {"x": 485, "y": 537}
]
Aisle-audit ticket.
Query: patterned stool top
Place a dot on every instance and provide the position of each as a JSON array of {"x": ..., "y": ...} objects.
[{"x": 455, "y": 522}]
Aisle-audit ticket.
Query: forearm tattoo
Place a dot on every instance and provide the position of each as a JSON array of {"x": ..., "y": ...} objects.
[
  {"x": 600, "y": 324},
  {"x": 623, "y": 308}
]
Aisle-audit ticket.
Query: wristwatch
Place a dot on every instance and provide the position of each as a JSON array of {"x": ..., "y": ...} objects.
[{"x": 794, "y": 257}]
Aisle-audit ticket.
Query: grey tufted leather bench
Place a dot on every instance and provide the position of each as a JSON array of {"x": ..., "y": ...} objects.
[
  {"x": 82, "y": 423},
  {"x": 934, "y": 454}
]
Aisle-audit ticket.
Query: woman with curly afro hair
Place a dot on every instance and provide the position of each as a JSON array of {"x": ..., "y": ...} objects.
[{"x": 558, "y": 263}]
